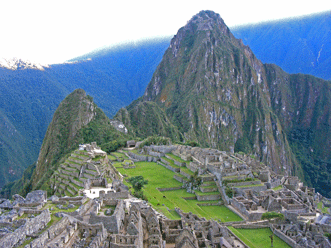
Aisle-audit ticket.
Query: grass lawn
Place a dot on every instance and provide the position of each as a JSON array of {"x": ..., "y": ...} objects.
[
  {"x": 160, "y": 177},
  {"x": 247, "y": 186},
  {"x": 117, "y": 164},
  {"x": 177, "y": 158},
  {"x": 320, "y": 206},
  {"x": 119, "y": 155},
  {"x": 186, "y": 170},
  {"x": 112, "y": 158},
  {"x": 278, "y": 187},
  {"x": 258, "y": 238}
]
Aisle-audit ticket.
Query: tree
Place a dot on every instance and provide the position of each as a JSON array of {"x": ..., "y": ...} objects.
[{"x": 137, "y": 182}]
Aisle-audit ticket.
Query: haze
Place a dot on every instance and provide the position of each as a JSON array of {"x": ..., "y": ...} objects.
[{"x": 56, "y": 31}]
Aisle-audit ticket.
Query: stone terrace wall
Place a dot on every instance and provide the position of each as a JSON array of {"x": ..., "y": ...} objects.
[
  {"x": 273, "y": 184},
  {"x": 240, "y": 207},
  {"x": 31, "y": 226},
  {"x": 178, "y": 178},
  {"x": 208, "y": 197},
  {"x": 285, "y": 238},
  {"x": 244, "y": 183},
  {"x": 141, "y": 157},
  {"x": 253, "y": 188},
  {"x": 169, "y": 167},
  {"x": 163, "y": 149},
  {"x": 245, "y": 246},
  {"x": 168, "y": 189}
]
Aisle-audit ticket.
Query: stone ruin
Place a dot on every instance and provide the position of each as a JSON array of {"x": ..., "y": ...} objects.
[
  {"x": 115, "y": 219},
  {"x": 86, "y": 168}
]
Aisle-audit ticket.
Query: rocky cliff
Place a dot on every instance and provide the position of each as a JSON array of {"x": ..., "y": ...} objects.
[{"x": 213, "y": 88}]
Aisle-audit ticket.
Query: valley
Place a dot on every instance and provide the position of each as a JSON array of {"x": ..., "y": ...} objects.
[{"x": 217, "y": 150}]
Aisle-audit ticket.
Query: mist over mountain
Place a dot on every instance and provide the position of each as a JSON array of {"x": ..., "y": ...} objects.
[{"x": 297, "y": 45}]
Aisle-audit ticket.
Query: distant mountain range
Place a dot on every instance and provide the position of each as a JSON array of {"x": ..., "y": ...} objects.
[
  {"x": 30, "y": 93},
  {"x": 297, "y": 45}
]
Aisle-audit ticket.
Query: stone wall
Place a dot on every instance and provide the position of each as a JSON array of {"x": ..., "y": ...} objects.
[
  {"x": 156, "y": 154},
  {"x": 244, "y": 183},
  {"x": 273, "y": 184},
  {"x": 111, "y": 223},
  {"x": 31, "y": 226},
  {"x": 285, "y": 238},
  {"x": 253, "y": 188},
  {"x": 184, "y": 174},
  {"x": 208, "y": 197},
  {"x": 168, "y": 189},
  {"x": 240, "y": 207},
  {"x": 178, "y": 178},
  {"x": 251, "y": 216},
  {"x": 192, "y": 166},
  {"x": 245, "y": 246},
  {"x": 251, "y": 226},
  {"x": 115, "y": 195},
  {"x": 169, "y": 167},
  {"x": 141, "y": 157},
  {"x": 163, "y": 149},
  {"x": 181, "y": 164}
]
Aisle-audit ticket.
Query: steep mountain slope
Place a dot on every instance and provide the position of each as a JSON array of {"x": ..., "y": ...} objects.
[
  {"x": 28, "y": 100},
  {"x": 31, "y": 93},
  {"x": 298, "y": 45},
  {"x": 76, "y": 120},
  {"x": 214, "y": 89}
]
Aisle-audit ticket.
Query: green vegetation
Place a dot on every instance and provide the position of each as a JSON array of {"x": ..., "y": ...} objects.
[
  {"x": 278, "y": 187},
  {"x": 65, "y": 133},
  {"x": 160, "y": 177},
  {"x": 258, "y": 238},
  {"x": 155, "y": 140},
  {"x": 252, "y": 185},
  {"x": 232, "y": 180},
  {"x": 272, "y": 215},
  {"x": 323, "y": 209},
  {"x": 30, "y": 97},
  {"x": 174, "y": 157},
  {"x": 138, "y": 183}
]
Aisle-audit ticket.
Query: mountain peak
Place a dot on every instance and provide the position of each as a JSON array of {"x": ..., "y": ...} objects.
[
  {"x": 20, "y": 64},
  {"x": 206, "y": 20}
]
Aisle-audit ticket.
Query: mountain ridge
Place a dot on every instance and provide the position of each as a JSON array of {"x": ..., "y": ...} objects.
[
  {"x": 29, "y": 97},
  {"x": 297, "y": 45},
  {"x": 214, "y": 89}
]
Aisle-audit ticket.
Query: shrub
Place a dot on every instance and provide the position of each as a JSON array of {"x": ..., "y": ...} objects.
[
  {"x": 229, "y": 192},
  {"x": 271, "y": 215},
  {"x": 137, "y": 182},
  {"x": 155, "y": 140}
]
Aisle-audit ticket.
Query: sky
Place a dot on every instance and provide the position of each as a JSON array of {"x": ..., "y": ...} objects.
[{"x": 51, "y": 32}]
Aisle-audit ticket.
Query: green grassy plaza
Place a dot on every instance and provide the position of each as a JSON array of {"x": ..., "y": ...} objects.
[
  {"x": 258, "y": 238},
  {"x": 165, "y": 202}
]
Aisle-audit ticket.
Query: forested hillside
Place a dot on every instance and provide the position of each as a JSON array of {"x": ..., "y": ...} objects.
[
  {"x": 297, "y": 45},
  {"x": 216, "y": 92},
  {"x": 29, "y": 97}
]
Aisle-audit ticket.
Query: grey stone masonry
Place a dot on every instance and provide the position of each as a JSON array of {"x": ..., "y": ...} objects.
[
  {"x": 208, "y": 197},
  {"x": 31, "y": 226},
  {"x": 169, "y": 167}
]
